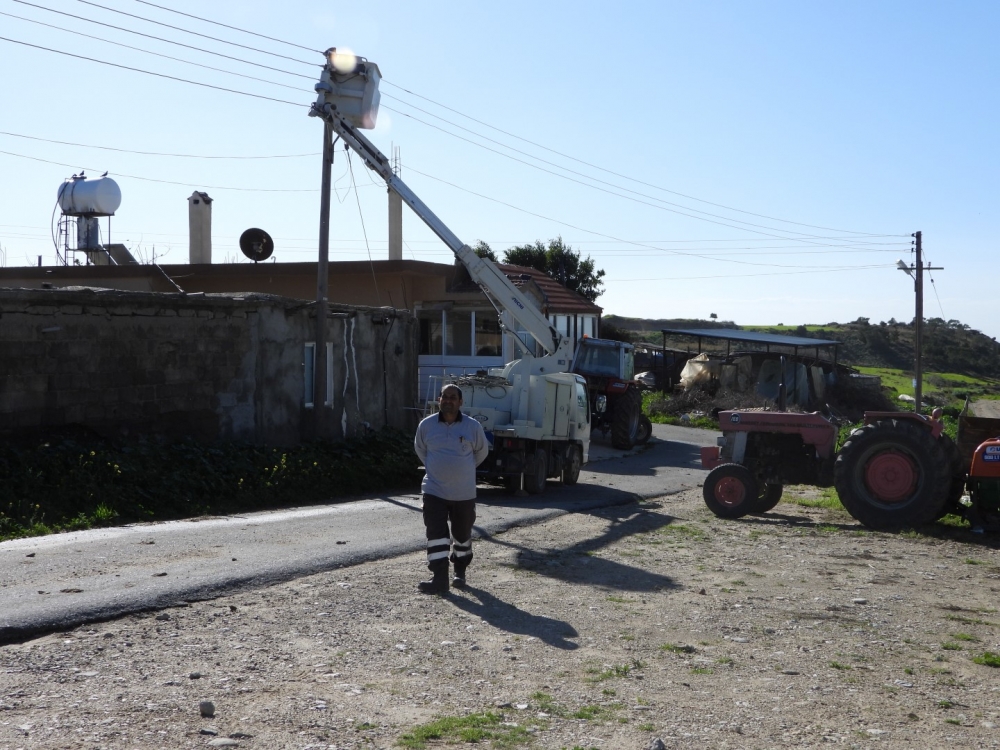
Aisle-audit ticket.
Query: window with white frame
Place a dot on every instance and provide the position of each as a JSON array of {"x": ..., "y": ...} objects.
[
  {"x": 460, "y": 333},
  {"x": 309, "y": 374}
]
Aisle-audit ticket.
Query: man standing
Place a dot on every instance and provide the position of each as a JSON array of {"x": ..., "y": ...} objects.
[{"x": 451, "y": 446}]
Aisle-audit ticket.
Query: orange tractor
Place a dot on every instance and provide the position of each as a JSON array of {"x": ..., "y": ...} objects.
[{"x": 897, "y": 470}]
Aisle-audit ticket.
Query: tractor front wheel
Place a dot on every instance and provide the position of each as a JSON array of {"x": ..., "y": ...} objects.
[
  {"x": 645, "y": 431},
  {"x": 730, "y": 491},
  {"x": 770, "y": 495},
  {"x": 625, "y": 419},
  {"x": 893, "y": 474}
]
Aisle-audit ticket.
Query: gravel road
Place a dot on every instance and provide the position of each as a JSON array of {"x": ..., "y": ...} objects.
[{"x": 611, "y": 628}]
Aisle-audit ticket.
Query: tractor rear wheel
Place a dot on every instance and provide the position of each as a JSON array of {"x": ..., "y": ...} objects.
[
  {"x": 625, "y": 420},
  {"x": 770, "y": 495},
  {"x": 730, "y": 491},
  {"x": 893, "y": 474}
]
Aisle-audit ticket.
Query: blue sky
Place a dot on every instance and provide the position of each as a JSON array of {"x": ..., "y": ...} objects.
[{"x": 765, "y": 161}]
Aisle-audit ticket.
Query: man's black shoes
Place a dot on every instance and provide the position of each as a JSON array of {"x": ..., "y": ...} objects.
[{"x": 437, "y": 585}]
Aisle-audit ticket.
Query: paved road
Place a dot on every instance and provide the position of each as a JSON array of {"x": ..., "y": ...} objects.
[{"x": 60, "y": 581}]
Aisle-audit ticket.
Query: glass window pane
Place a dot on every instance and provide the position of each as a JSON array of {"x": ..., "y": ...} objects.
[
  {"x": 488, "y": 338},
  {"x": 458, "y": 336},
  {"x": 431, "y": 329}
]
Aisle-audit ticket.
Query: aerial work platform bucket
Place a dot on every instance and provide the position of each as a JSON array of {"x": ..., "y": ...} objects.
[{"x": 350, "y": 85}]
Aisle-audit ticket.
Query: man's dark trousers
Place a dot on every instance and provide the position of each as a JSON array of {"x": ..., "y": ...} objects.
[{"x": 438, "y": 512}]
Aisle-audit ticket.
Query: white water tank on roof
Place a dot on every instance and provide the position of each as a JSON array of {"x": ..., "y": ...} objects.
[{"x": 82, "y": 197}]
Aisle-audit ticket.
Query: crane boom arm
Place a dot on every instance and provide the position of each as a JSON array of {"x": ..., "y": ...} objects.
[{"x": 481, "y": 270}]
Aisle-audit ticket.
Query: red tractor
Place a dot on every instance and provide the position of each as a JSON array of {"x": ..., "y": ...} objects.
[
  {"x": 897, "y": 470},
  {"x": 615, "y": 395}
]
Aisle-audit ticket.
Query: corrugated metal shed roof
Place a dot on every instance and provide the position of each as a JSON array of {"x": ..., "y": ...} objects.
[{"x": 733, "y": 334}]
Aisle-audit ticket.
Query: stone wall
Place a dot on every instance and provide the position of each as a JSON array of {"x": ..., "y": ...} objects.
[{"x": 212, "y": 367}]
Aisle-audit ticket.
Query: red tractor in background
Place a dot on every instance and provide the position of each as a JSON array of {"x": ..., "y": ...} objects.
[
  {"x": 897, "y": 470},
  {"x": 615, "y": 395}
]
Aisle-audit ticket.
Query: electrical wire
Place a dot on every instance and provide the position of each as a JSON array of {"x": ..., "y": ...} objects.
[
  {"x": 149, "y": 72},
  {"x": 194, "y": 33},
  {"x": 669, "y": 251},
  {"x": 167, "y": 182},
  {"x": 361, "y": 214},
  {"x": 723, "y": 219},
  {"x": 162, "y": 39},
  {"x": 151, "y": 153},
  {"x": 754, "y": 275},
  {"x": 586, "y": 176},
  {"x": 150, "y": 52},
  {"x": 227, "y": 26},
  {"x": 602, "y": 169}
]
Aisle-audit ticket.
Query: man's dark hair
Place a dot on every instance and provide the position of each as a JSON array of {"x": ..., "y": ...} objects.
[{"x": 446, "y": 386}]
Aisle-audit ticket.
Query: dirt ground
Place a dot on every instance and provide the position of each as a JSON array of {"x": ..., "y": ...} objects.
[{"x": 607, "y": 630}]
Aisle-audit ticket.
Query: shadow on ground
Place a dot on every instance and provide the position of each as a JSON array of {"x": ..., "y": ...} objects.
[
  {"x": 505, "y": 616},
  {"x": 577, "y": 562}
]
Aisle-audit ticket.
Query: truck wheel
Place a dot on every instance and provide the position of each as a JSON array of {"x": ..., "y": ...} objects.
[
  {"x": 893, "y": 474},
  {"x": 770, "y": 495},
  {"x": 645, "y": 431},
  {"x": 957, "y": 486},
  {"x": 730, "y": 491},
  {"x": 625, "y": 419},
  {"x": 534, "y": 482},
  {"x": 571, "y": 469}
]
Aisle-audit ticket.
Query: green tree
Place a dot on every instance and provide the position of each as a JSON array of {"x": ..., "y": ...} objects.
[
  {"x": 559, "y": 261},
  {"x": 483, "y": 250}
]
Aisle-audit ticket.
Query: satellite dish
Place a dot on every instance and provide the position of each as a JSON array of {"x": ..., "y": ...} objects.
[{"x": 256, "y": 244}]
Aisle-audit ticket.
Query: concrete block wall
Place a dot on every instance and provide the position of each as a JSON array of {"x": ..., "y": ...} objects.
[{"x": 212, "y": 367}]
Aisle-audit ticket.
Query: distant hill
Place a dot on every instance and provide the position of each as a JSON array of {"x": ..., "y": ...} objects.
[{"x": 948, "y": 346}]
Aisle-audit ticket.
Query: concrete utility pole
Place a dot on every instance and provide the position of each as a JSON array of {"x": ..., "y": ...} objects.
[
  {"x": 918, "y": 323},
  {"x": 322, "y": 289}
]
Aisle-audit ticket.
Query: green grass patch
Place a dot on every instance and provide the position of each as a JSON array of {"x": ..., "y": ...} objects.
[
  {"x": 951, "y": 646},
  {"x": 988, "y": 659},
  {"x": 838, "y": 665},
  {"x": 474, "y": 728},
  {"x": 827, "y": 498},
  {"x": 683, "y": 530},
  {"x": 701, "y": 670},
  {"x": 965, "y": 637},
  {"x": 618, "y": 670},
  {"x": 969, "y": 620},
  {"x": 69, "y": 484},
  {"x": 677, "y": 648}
]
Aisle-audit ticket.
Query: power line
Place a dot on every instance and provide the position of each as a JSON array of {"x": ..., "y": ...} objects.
[
  {"x": 167, "y": 182},
  {"x": 743, "y": 275},
  {"x": 590, "y": 231},
  {"x": 193, "y": 33},
  {"x": 149, "y": 72},
  {"x": 151, "y": 153},
  {"x": 802, "y": 237},
  {"x": 602, "y": 169},
  {"x": 162, "y": 39},
  {"x": 148, "y": 52},
  {"x": 227, "y": 26}
]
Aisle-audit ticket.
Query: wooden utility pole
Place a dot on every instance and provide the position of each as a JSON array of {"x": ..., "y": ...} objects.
[
  {"x": 918, "y": 323},
  {"x": 322, "y": 290}
]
